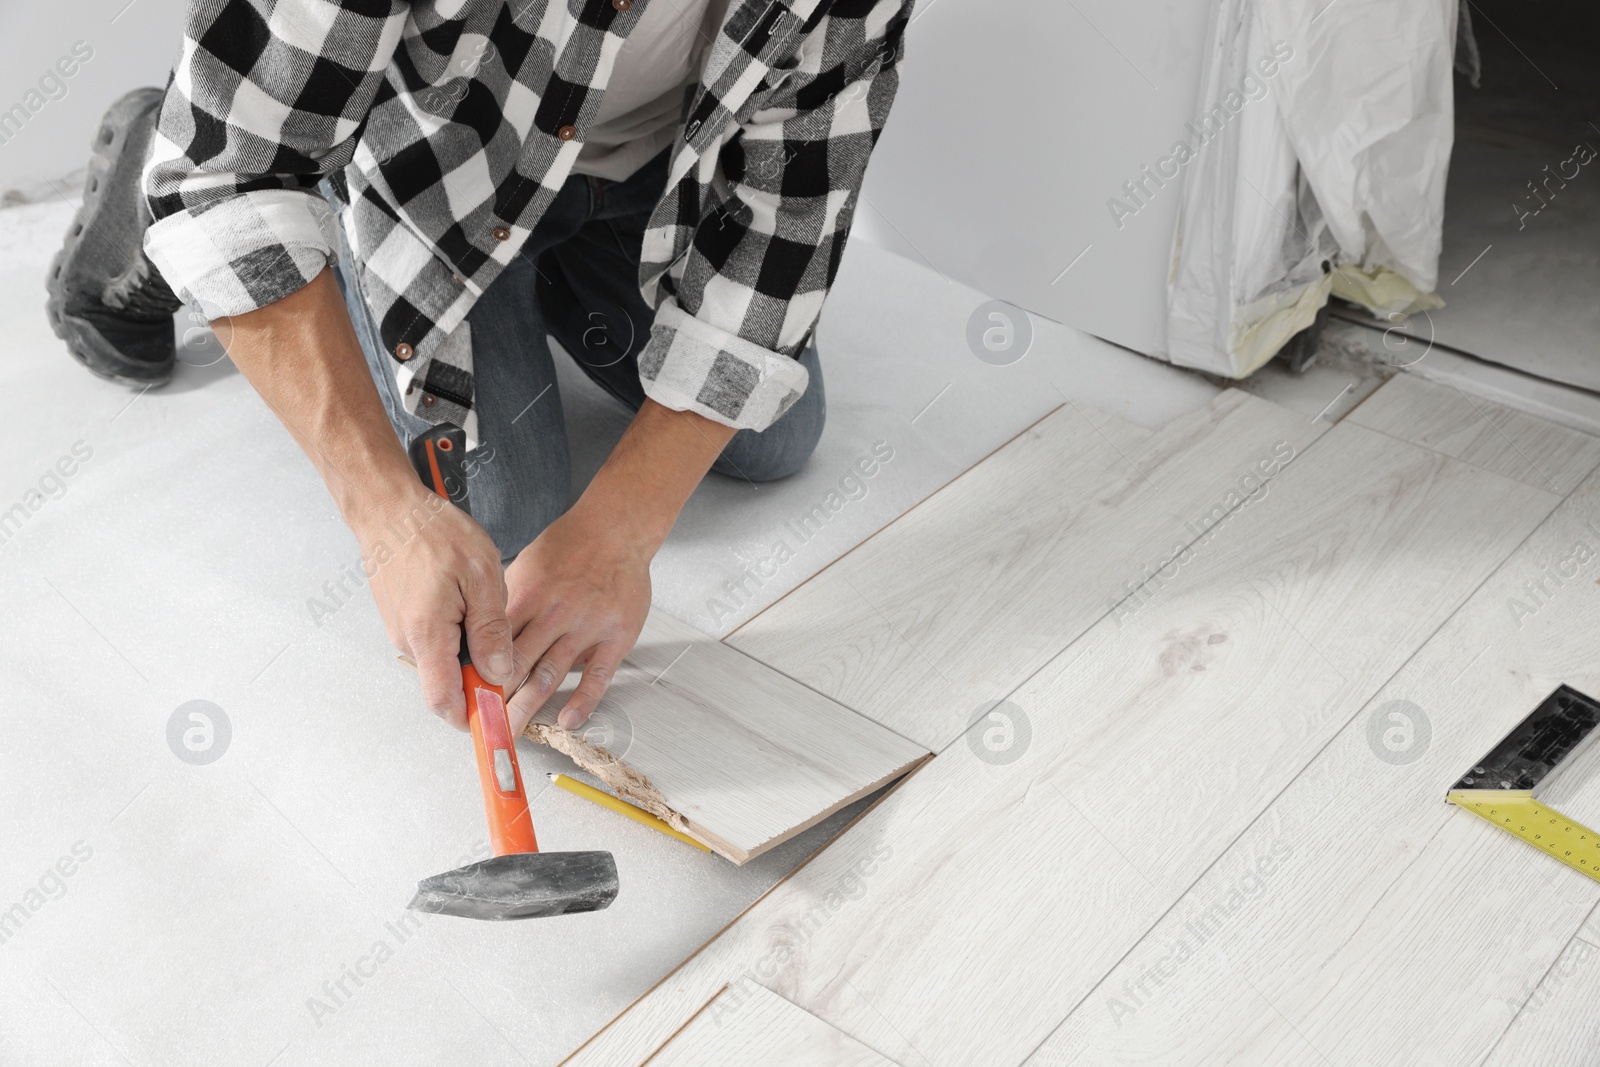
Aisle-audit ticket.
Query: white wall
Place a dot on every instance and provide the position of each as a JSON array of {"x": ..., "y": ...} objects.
[
  {"x": 1016, "y": 121},
  {"x": 132, "y": 45}
]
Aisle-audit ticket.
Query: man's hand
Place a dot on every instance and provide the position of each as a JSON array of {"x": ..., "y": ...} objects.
[
  {"x": 437, "y": 572},
  {"x": 580, "y": 592},
  {"x": 436, "y": 569}
]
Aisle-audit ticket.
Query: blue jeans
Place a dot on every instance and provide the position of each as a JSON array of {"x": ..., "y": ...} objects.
[{"x": 577, "y": 279}]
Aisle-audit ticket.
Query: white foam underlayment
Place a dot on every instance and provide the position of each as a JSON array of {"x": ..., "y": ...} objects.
[{"x": 251, "y": 911}]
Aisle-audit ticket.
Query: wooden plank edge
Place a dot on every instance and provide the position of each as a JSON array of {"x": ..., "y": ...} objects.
[
  {"x": 919, "y": 502},
  {"x": 903, "y": 771},
  {"x": 1578, "y": 477},
  {"x": 692, "y": 1017},
  {"x": 1210, "y": 407},
  {"x": 894, "y": 788},
  {"x": 633, "y": 786}
]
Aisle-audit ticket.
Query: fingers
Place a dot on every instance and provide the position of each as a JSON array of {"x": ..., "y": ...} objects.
[
  {"x": 436, "y": 647},
  {"x": 444, "y": 580},
  {"x": 549, "y": 671},
  {"x": 488, "y": 632},
  {"x": 602, "y": 667}
]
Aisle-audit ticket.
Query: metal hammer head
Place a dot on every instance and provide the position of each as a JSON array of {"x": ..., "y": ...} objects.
[{"x": 528, "y": 885}]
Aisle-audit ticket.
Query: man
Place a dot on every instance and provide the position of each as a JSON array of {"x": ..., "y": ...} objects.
[{"x": 664, "y": 185}]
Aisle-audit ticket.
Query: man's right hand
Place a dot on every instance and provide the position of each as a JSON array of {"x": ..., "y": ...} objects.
[{"x": 434, "y": 572}]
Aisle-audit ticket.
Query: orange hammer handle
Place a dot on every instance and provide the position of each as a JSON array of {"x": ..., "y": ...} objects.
[
  {"x": 505, "y": 803},
  {"x": 437, "y": 458}
]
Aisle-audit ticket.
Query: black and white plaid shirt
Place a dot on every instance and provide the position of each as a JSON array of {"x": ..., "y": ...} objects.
[{"x": 454, "y": 124}]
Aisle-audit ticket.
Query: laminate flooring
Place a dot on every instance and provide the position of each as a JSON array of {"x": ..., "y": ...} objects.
[
  {"x": 724, "y": 747},
  {"x": 1448, "y": 420},
  {"x": 1174, "y": 840},
  {"x": 980, "y": 585},
  {"x": 1374, "y": 923},
  {"x": 750, "y": 1024},
  {"x": 1557, "y": 1026}
]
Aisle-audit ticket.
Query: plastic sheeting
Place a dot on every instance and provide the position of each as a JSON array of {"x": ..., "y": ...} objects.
[{"x": 1320, "y": 153}]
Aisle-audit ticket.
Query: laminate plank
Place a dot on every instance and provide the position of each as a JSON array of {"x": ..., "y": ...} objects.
[
  {"x": 1392, "y": 929},
  {"x": 1481, "y": 432},
  {"x": 726, "y": 749},
  {"x": 1557, "y": 1026},
  {"x": 748, "y": 1024},
  {"x": 1121, "y": 435},
  {"x": 962, "y": 598},
  {"x": 990, "y": 897}
]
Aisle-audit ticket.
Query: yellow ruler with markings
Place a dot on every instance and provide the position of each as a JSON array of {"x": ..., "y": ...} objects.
[{"x": 1502, "y": 788}]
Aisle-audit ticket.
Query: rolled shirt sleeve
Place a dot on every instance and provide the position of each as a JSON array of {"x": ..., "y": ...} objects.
[
  {"x": 735, "y": 310},
  {"x": 692, "y": 365},
  {"x": 266, "y": 97}
]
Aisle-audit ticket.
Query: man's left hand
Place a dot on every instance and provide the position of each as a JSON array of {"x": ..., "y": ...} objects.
[{"x": 580, "y": 593}]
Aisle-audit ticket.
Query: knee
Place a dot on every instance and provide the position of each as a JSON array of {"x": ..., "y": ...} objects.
[
  {"x": 778, "y": 451},
  {"x": 514, "y": 511}
]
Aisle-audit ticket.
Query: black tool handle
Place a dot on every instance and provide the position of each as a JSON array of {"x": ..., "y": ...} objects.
[{"x": 440, "y": 459}]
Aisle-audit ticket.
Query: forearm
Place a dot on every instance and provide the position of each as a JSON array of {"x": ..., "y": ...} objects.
[
  {"x": 301, "y": 355},
  {"x": 443, "y": 579},
  {"x": 651, "y": 473}
]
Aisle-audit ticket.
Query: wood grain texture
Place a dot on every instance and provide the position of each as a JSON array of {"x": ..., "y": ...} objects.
[
  {"x": 1558, "y": 1025},
  {"x": 1480, "y": 432},
  {"x": 962, "y": 598},
  {"x": 996, "y": 895},
  {"x": 741, "y": 756},
  {"x": 1124, "y": 437},
  {"x": 1397, "y": 930},
  {"x": 749, "y": 1024}
]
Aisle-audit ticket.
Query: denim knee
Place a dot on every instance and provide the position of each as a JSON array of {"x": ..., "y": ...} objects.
[{"x": 514, "y": 511}]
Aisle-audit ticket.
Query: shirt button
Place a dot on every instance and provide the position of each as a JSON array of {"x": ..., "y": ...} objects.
[
  {"x": 403, "y": 352},
  {"x": 502, "y": 234},
  {"x": 622, "y": 5},
  {"x": 457, "y": 277},
  {"x": 428, "y": 400},
  {"x": 567, "y": 133}
]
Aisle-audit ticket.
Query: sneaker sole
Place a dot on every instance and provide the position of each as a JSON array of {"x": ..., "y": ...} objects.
[{"x": 87, "y": 345}]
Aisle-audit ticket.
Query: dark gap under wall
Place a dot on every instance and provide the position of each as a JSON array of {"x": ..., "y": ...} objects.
[{"x": 1521, "y": 263}]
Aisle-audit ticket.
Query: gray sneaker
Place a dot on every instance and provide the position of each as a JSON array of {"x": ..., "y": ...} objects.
[{"x": 107, "y": 300}]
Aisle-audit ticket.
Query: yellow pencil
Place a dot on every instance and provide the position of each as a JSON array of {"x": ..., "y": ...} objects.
[{"x": 621, "y": 807}]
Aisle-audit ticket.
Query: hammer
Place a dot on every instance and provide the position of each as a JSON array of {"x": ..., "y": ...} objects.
[{"x": 519, "y": 881}]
